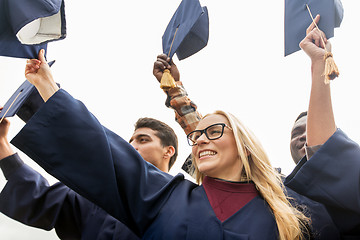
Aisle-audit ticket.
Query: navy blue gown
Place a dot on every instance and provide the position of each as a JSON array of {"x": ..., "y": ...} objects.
[
  {"x": 332, "y": 177},
  {"x": 68, "y": 142},
  {"x": 28, "y": 198}
]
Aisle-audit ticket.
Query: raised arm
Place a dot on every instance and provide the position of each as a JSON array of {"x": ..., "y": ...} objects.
[
  {"x": 331, "y": 175},
  {"x": 186, "y": 113},
  {"x": 320, "y": 121},
  {"x": 106, "y": 170}
]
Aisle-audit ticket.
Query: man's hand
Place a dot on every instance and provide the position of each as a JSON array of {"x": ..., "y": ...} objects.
[
  {"x": 313, "y": 45},
  {"x": 163, "y": 62}
]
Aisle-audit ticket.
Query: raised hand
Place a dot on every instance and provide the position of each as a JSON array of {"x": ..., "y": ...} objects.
[
  {"x": 163, "y": 62},
  {"x": 38, "y": 72},
  {"x": 313, "y": 43}
]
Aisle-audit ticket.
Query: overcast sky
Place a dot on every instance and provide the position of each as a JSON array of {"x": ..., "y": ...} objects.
[{"x": 107, "y": 58}]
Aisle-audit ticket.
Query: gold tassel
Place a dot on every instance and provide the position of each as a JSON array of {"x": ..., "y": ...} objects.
[
  {"x": 167, "y": 81},
  {"x": 331, "y": 70}
]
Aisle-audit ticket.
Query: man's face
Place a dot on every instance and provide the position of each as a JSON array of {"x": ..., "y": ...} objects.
[
  {"x": 149, "y": 146},
  {"x": 298, "y": 139}
]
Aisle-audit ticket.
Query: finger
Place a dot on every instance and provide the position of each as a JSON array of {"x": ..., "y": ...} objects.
[
  {"x": 312, "y": 25},
  {"x": 42, "y": 56},
  {"x": 164, "y": 62},
  {"x": 31, "y": 69},
  {"x": 317, "y": 19},
  {"x": 317, "y": 42},
  {"x": 162, "y": 56},
  {"x": 34, "y": 61},
  {"x": 27, "y": 71},
  {"x": 310, "y": 28},
  {"x": 159, "y": 65},
  {"x": 321, "y": 37},
  {"x": 32, "y": 66}
]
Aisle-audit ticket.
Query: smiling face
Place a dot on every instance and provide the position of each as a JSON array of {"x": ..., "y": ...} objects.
[
  {"x": 298, "y": 139},
  {"x": 217, "y": 158}
]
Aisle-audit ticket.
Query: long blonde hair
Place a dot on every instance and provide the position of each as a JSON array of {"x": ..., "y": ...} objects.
[{"x": 257, "y": 168}]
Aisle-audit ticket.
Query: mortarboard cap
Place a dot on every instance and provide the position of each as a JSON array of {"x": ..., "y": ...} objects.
[
  {"x": 297, "y": 20},
  {"x": 25, "y": 101},
  {"x": 190, "y": 22},
  {"x": 26, "y": 26}
]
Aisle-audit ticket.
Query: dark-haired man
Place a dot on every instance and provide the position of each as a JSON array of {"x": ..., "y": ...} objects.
[
  {"x": 298, "y": 138},
  {"x": 156, "y": 142}
]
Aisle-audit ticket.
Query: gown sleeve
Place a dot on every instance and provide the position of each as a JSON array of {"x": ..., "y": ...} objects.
[
  {"x": 66, "y": 140},
  {"x": 28, "y": 198},
  {"x": 332, "y": 177}
]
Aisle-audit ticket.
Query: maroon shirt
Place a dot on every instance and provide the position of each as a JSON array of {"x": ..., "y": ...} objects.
[{"x": 226, "y": 198}]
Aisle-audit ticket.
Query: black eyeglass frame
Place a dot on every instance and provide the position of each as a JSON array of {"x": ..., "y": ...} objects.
[{"x": 192, "y": 143}]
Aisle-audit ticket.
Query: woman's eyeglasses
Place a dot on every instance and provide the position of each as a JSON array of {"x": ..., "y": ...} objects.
[{"x": 212, "y": 132}]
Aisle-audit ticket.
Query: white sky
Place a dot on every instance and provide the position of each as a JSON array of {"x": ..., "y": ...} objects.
[{"x": 107, "y": 58}]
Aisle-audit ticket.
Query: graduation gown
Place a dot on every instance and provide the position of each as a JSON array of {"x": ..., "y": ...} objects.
[
  {"x": 68, "y": 142},
  {"x": 28, "y": 198},
  {"x": 331, "y": 176}
]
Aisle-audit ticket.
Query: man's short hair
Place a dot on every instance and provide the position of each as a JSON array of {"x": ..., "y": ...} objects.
[
  {"x": 163, "y": 131},
  {"x": 303, "y": 114}
]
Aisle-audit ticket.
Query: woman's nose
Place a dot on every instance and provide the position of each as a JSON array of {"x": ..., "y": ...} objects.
[{"x": 202, "y": 139}]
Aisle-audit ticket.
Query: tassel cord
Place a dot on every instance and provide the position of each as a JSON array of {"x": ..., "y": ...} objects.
[
  {"x": 10, "y": 107},
  {"x": 167, "y": 81},
  {"x": 331, "y": 70}
]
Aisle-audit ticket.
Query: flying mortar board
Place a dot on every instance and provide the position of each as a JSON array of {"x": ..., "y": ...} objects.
[
  {"x": 25, "y": 102},
  {"x": 26, "y": 26},
  {"x": 187, "y": 31},
  {"x": 298, "y": 19}
]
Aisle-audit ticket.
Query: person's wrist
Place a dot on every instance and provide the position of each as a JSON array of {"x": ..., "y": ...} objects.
[
  {"x": 47, "y": 89},
  {"x": 5, "y": 149},
  {"x": 318, "y": 65}
]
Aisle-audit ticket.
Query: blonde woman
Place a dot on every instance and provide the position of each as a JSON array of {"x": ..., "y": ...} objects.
[
  {"x": 109, "y": 171},
  {"x": 240, "y": 196},
  {"x": 155, "y": 205},
  {"x": 226, "y": 153}
]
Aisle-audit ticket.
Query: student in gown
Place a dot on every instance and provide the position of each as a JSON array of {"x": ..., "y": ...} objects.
[
  {"x": 228, "y": 159},
  {"x": 188, "y": 116},
  {"x": 330, "y": 172},
  {"x": 27, "y": 196}
]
